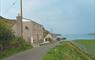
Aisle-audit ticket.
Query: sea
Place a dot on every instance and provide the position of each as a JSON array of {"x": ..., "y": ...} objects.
[{"x": 79, "y": 36}]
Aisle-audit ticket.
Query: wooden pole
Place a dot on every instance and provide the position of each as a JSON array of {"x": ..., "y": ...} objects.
[{"x": 21, "y": 18}]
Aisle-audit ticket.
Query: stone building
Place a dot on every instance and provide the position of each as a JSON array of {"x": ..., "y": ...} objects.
[{"x": 31, "y": 31}]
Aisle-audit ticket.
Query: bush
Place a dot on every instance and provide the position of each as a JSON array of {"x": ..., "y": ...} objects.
[
  {"x": 5, "y": 31},
  {"x": 9, "y": 43},
  {"x": 19, "y": 42},
  {"x": 6, "y": 35}
]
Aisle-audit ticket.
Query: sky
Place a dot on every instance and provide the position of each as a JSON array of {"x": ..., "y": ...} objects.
[{"x": 57, "y": 16}]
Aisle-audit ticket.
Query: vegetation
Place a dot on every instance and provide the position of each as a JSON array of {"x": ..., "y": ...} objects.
[
  {"x": 63, "y": 52},
  {"x": 14, "y": 46},
  {"x": 8, "y": 21},
  {"x": 9, "y": 43},
  {"x": 5, "y": 31},
  {"x": 88, "y": 46}
]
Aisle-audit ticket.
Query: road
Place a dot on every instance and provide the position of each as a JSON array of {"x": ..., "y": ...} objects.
[{"x": 33, "y": 54}]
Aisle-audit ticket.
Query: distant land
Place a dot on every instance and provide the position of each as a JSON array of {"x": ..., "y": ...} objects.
[{"x": 91, "y": 33}]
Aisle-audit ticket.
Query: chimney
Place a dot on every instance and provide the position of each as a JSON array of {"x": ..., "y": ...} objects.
[{"x": 19, "y": 25}]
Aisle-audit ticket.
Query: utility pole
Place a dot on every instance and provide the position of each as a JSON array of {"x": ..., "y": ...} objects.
[{"x": 21, "y": 18}]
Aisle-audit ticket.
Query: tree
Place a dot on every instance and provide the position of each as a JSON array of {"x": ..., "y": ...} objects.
[
  {"x": 5, "y": 31},
  {"x": 5, "y": 35}
]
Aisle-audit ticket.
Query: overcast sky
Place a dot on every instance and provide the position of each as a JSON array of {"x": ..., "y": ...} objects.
[{"x": 59, "y": 16}]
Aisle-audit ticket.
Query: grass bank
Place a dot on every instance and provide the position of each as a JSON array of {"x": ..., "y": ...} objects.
[
  {"x": 63, "y": 52},
  {"x": 87, "y": 46},
  {"x": 15, "y": 46}
]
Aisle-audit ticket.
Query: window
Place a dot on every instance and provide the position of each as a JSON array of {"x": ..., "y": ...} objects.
[{"x": 26, "y": 28}]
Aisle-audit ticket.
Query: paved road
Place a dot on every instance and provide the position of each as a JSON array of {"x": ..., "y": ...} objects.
[{"x": 33, "y": 54}]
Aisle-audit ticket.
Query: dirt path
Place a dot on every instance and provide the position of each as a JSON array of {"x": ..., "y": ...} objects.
[{"x": 33, "y": 54}]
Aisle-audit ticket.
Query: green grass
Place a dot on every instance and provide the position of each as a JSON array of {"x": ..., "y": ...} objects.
[
  {"x": 86, "y": 42},
  {"x": 63, "y": 52},
  {"x": 17, "y": 45},
  {"x": 88, "y": 46}
]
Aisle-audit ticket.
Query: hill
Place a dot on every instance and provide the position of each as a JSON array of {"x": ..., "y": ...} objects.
[
  {"x": 92, "y": 33},
  {"x": 10, "y": 22}
]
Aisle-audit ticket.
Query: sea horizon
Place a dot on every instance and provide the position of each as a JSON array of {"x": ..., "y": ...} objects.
[{"x": 79, "y": 36}]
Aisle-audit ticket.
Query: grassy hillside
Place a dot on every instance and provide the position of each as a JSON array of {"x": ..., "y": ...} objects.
[
  {"x": 11, "y": 22},
  {"x": 87, "y": 45},
  {"x": 63, "y": 52}
]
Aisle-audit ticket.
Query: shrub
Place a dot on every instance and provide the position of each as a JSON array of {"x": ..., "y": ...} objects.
[
  {"x": 5, "y": 35},
  {"x": 5, "y": 31}
]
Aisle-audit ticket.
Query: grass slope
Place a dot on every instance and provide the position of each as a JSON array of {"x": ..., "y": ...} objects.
[
  {"x": 63, "y": 52},
  {"x": 87, "y": 45},
  {"x": 8, "y": 21}
]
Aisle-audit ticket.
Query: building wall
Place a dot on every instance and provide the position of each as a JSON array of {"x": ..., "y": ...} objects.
[
  {"x": 32, "y": 31},
  {"x": 27, "y": 31},
  {"x": 37, "y": 33}
]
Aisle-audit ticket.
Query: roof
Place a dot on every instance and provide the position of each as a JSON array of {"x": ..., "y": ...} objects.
[
  {"x": 28, "y": 20},
  {"x": 13, "y": 21}
]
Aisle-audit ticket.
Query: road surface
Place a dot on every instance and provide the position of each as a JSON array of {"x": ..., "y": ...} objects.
[{"x": 33, "y": 54}]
